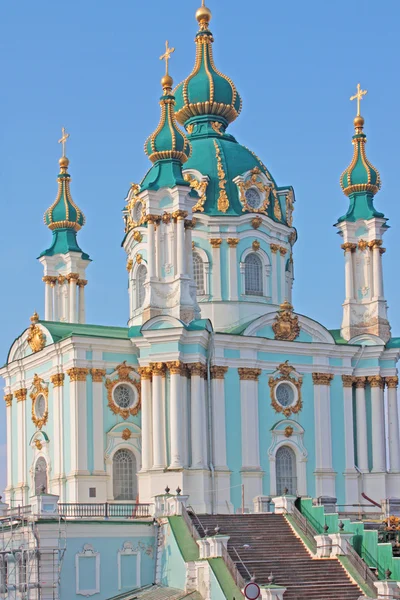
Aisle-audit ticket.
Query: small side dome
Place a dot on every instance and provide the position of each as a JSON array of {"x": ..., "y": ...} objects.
[{"x": 64, "y": 213}]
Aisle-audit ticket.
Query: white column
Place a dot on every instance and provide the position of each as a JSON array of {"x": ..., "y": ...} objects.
[
  {"x": 274, "y": 277},
  {"x": 249, "y": 418},
  {"x": 64, "y": 290},
  {"x": 325, "y": 477},
  {"x": 197, "y": 425},
  {"x": 188, "y": 247},
  {"x": 348, "y": 269},
  {"x": 81, "y": 286},
  {"x": 185, "y": 418},
  {"x": 151, "y": 258},
  {"x": 20, "y": 396},
  {"x": 216, "y": 268},
  {"x": 176, "y": 423},
  {"x": 232, "y": 268},
  {"x": 147, "y": 437},
  {"x": 283, "y": 252},
  {"x": 48, "y": 300},
  {"x": 377, "y": 268},
  {"x": 378, "y": 424},
  {"x": 393, "y": 419},
  {"x": 72, "y": 278},
  {"x": 57, "y": 302},
  {"x": 58, "y": 382},
  {"x": 218, "y": 416},
  {"x": 348, "y": 381},
  {"x": 78, "y": 421},
  {"x": 158, "y": 249},
  {"x": 362, "y": 432},
  {"x": 98, "y": 420},
  {"x": 158, "y": 387},
  {"x": 9, "y": 400},
  {"x": 180, "y": 242}
]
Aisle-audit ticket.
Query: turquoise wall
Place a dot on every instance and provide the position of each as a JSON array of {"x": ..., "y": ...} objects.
[{"x": 173, "y": 566}]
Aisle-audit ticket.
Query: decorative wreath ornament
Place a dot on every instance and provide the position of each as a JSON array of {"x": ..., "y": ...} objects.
[
  {"x": 286, "y": 373},
  {"x": 124, "y": 376},
  {"x": 39, "y": 390}
]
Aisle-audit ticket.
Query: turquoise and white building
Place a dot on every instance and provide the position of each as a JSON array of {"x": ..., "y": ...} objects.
[{"x": 216, "y": 386}]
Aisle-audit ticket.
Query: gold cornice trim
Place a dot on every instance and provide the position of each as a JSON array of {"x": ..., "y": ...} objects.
[
  {"x": 146, "y": 373},
  {"x": 215, "y": 242}
]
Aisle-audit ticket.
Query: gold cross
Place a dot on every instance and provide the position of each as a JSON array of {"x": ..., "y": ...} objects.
[
  {"x": 359, "y": 97},
  {"x": 63, "y": 140},
  {"x": 167, "y": 56}
]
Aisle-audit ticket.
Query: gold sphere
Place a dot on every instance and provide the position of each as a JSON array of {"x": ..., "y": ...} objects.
[
  {"x": 203, "y": 14},
  {"x": 167, "y": 81},
  {"x": 359, "y": 122},
  {"x": 63, "y": 162}
]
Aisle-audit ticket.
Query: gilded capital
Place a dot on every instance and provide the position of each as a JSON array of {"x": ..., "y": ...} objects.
[
  {"x": 197, "y": 369},
  {"x": 81, "y": 283},
  {"x": 349, "y": 247},
  {"x": 166, "y": 218},
  {"x": 72, "y": 277},
  {"x": 375, "y": 244},
  {"x": 216, "y": 242},
  {"x": 392, "y": 382},
  {"x": 77, "y": 374},
  {"x": 58, "y": 379},
  {"x": 180, "y": 215},
  {"x": 176, "y": 367},
  {"x": 376, "y": 381},
  {"x": 361, "y": 382},
  {"x": 322, "y": 378},
  {"x": 146, "y": 373},
  {"x": 256, "y": 222},
  {"x": 49, "y": 279},
  {"x": 8, "y": 399},
  {"x": 362, "y": 245},
  {"x": 246, "y": 374},
  {"x": 282, "y": 251},
  {"x": 152, "y": 219},
  {"x": 97, "y": 375},
  {"x": 20, "y": 395},
  {"x": 218, "y": 372},
  {"x": 158, "y": 368},
  {"x": 274, "y": 248},
  {"x": 232, "y": 242},
  {"x": 348, "y": 381}
]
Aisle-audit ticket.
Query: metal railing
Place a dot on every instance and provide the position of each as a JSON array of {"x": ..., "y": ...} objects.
[
  {"x": 17, "y": 512},
  {"x": 306, "y": 528},
  {"x": 104, "y": 510}
]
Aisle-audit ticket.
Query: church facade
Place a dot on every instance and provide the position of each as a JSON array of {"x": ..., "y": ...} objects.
[{"x": 216, "y": 386}]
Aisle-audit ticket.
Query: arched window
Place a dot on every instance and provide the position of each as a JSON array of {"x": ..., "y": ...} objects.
[
  {"x": 40, "y": 476},
  {"x": 137, "y": 212},
  {"x": 286, "y": 478},
  {"x": 253, "y": 275},
  {"x": 141, "y": 275},
  {"x": 198, "y": 273},
  {"x": 124, "y": 475}
]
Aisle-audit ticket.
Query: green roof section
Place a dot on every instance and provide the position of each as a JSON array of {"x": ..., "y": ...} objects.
[
  {"x": 335, "y": 333},
  {"x": 393, "y": 343},
  {"x": 225, "y": 579},
  {"x": 60, "y": 331},
  {"x": 64, "y": 241},
  {"x": 187, "y": 546}
]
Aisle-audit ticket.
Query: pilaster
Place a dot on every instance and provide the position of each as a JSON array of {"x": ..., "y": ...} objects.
[
  {"x": 78, "y": 428},
  {"x": 232, "y": 269},
  {"x": 393, "y": 421},
  {"x": 274, "y": 274},
  {"x": 324, "y": 473},
  {"x": 58, "y": 448},
  {"x": 8, "y": 398},
  {"x": 378, "y": 424},
  {"x": 177, "y": 426},
  {"x": 98, "y": 419},
  {"x": 146, "y": 375},
  {"x": 20, "y": 396},
  {"x": 361, "y": 423},
  {"x": 216, "y": 268},
  {"x": 159, "y": 440},
  {"x": 198, "y": 416},
  {"x": 350, "y": 474}
]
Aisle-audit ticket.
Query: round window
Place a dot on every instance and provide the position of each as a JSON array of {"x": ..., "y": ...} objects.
[
  {"x": 285, "y": 394},
  {"x": 124, "y": 396},
  {"x": 137, "y": 212},
  {"x": 40, "y": 406},
  {"x": 253, "y": 198}
]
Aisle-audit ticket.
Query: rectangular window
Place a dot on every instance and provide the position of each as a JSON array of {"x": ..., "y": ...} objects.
[{"x": 92, "y": 492}]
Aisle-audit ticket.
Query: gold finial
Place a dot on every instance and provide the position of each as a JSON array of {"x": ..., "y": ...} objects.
[
  {"x": 167, "y": 80},
  {"x": 359, "y": 97},
  {"x": 34, "y": 318},
  {"x": 203, "y": 16}
]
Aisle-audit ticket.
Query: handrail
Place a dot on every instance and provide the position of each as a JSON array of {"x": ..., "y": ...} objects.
[
  {"x": 305, "y": 526},
  {"x": 192, "y": 528},
  {"x": 372, "y": 501},
  {"x": 197, "y": 519}
]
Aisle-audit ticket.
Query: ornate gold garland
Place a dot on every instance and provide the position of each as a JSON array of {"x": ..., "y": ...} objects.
[
  {"x": 40, "y": 390},
  {"x": 286, "y": 375},
  {"x": 123, "y": 371}
]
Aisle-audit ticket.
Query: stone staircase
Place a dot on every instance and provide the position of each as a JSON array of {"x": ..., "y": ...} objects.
[{"x": 267, "y": 544}]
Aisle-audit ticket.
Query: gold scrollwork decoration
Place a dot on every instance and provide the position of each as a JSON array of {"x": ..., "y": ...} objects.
[
  {"x": 256, "y": 182},
  {"x": 286, "y": 325},
  {"x": 200, "y": 187},
  {"x": 217, "y": 126},
  {"x": 286, "y": 372},
  {"x": 123, "y": 376},
  {"x": 289, "y": 431},
  {"x": 223, "y": 201},
  {"x": 134, "y": 199},
  {"x": 36, "y": 337},
  {"x": 289, "y": 208},
  {"x": 39, "y": 390}
]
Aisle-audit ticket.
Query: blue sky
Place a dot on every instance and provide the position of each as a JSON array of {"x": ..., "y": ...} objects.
[{"x": 94, "y": 68}]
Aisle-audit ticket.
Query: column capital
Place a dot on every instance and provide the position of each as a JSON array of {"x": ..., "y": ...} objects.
[
  {"x": 146, "y": 373},
  {"x": 152, "y": 219},
  {"x": 246, "y": 374},
  {"x": 50, "y": 280},
  {"x": 197, "y": 369},
  {"x": 77, "y": 374},
  {"x": 218, "y": 372},
  {"x": 61, "y": 279},
  {"x": 81, "y": 283},
  {"x": 232, "y": 242},
  {"x": 348, "y": 381},
  {"x": 392, "y": 382},
  {"x": 322, "y": 378},
  {"x": 215, "y": 242},
  {"x": 166, "y": 218},
  {"x": 58, "y": 379},
  {"x": 8, "y": 399},
  {"x": 180, "y": 215},
  {"x": 349, "y": 247},
  {"x": 274, "y": 248},
  {"x": 72, "y": 277},
  {"x": 382, "y": 250},
  {"x": 376, "y": 381},
  {"x": 158, "y": 368},
  {"x": 375, "y": 244},
  {"x": 97, "y": 375},
  {"x": 190, "y": 223},
  {"x": 176, "y": 367},
  {"x": 282, "y": 251},
  {"x": 20, "y": 394},
  {"x": 360, "y": 382}
]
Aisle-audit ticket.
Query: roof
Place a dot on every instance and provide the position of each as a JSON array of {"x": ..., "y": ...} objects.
[
  {"x": 337, "y": 337},
  {"x": 60, "y": 331},
  {"x": 157, "y": 592}
]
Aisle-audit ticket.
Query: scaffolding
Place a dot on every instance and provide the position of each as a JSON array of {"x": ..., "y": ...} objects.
[{"x": 31, "y": 557}]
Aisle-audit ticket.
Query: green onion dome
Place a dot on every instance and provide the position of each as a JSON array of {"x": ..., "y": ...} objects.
[
  {"x": 167, "y": 142},
  {"x": 64, "y": 213},
  {"x": 206, "y": 91},
  {"x": 360, "y": 175}
]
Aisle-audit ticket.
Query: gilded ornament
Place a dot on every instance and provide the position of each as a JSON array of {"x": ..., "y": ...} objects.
[
  {"x": 39, "y": 390},
  {"x": 193, "y": 245},
  {"x": 248, "y": 374},
  {"x": 256, "y": 245},
  {"x": 286, "y": 325},
  {"x": 349, "y": 247},
  {"x": 233, "y": 242},
  {"x": 361, "y": 382},
  {"x": 282, "y": 251},
  {"x": 392, "y": 382},
  {"x": 289, "y": 431},
  {"x": 180, "y": 215},
  {"x": 158, "y": 369},
  {"x": 20, "y": 395},
  {"x": 38, "y": 444},
  {"x": 129, "y": 265},
  {"x": 50, "y": 280},
  {"x": 8, "y": 399},
  {"x": 255, "y": 181},
  {"x": 256, "y": 222},
  {"x": 77, "y": 374},
  {"x": 359, "y": 96},
  {"x": 81, "y": 283},
  {"x": 145, "y": 373},
  {"x": 72, "y": 277},
  {"x": 139, "y": 258},
  {"x": 376, "y": 381},
  {"x": 57, "y": 380},
  {"x": 190, "y": 128},
  {"x": 176, "y": 367},
  {"x": 289, "y": 208},
  {"x": 218, "y": 372},
  {"x": 216, "y": 125},
  {"x": 277, "y": 206},
  {"x": 216, "y": 242},
  {"x": 286, "y": 373},
  {"x": 126, "y": 434},
  {"x": 36, "y": 337},
  {"x": 274, "y": 248},
  {"x": 61, "y": 279},
  {"x": 123, "y": 375},
  {"x": 362, "y": 245},
  {"x": 322, "y": 378},
  {"x": 223, "y": 202},
  {"x": 292, "y": 238},
  {"x": 348, "y": 381},
  {"x": 375, "y": 244},
  {"x": 137, "y": 236},
  {"x": 197, "y": 369},
  {"x": 98, "y": 375}
]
